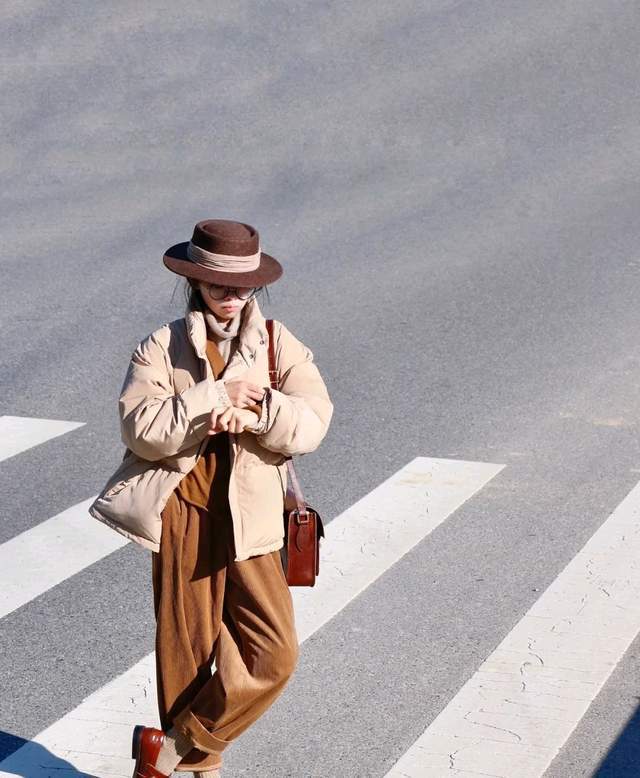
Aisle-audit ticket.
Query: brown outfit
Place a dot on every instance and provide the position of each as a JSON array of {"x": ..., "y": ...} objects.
[{"x": 208, "y": 605}]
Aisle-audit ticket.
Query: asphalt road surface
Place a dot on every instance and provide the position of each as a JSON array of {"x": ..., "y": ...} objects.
[{"x": 452, "y": 189}]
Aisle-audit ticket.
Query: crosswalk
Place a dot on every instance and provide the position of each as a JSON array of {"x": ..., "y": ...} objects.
[
  {"x": 517, "y": 710},
  {"x": 20, "y": 433},
  {"x": 509, "y": 719},
  {"x": 47, "y": 554}
]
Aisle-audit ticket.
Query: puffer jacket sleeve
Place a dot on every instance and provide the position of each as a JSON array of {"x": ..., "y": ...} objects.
[
  {"x": 299, "y": 411},
  {"x": 155, "y": 422}
]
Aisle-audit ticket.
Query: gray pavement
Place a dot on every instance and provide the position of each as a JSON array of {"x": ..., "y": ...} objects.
[{"x": 453, "y": 190}]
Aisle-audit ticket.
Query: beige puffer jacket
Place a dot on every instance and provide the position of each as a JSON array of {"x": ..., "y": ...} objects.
[{"x": 165, "y": 404}]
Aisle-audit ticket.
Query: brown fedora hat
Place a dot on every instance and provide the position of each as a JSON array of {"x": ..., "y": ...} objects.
[{"x": 223, "y": 252}]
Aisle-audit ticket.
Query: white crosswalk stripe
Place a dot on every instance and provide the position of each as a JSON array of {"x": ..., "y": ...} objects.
[
  {"x": 20, "y": 433},
  {"x": 52, "y": 551},
  {"x": 360, "y": 545},
  {"x": 514, "y": 714}
]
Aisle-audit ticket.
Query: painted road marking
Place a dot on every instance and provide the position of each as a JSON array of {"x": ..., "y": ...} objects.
[
  {"x": 51, "y": 552},
  {"x": 19, "y": 433},
  {"x": 516, "y": 712},
  {"x": 360, "y": 545},
  {"x": 372, "y": 535}
]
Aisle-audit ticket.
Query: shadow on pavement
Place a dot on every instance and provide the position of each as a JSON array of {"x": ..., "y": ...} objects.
[
  {"x": 28, "y": 759},
  {"x": 623, "y": 759}
]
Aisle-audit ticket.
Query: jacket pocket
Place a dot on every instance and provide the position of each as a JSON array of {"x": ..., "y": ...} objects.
[
  {"x": 130, "y": 466},
  {"x": 135, "y": 500},
  {"x": 113, "y": 490}
]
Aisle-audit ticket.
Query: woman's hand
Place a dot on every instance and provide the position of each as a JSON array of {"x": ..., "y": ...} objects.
[
  {"x": 232, "y": 419},
  {"x": 243, "y": 393}
]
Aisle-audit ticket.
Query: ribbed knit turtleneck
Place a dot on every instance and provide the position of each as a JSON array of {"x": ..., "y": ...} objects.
[
  {"x": 225, "y": 336},
  {"x": 223, "y": 333}
]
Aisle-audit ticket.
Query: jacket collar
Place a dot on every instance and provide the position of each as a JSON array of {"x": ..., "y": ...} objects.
[{"x": 252, "y": 337}]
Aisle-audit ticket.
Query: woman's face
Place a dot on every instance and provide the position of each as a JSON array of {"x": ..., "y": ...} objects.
[{"x": 227, "y": 307}]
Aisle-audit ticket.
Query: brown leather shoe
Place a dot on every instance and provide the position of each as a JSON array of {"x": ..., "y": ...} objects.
[{"x": 145, "y": 745}]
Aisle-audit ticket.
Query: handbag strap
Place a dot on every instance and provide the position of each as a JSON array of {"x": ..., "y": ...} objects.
[{"x": 273, "y": 378}]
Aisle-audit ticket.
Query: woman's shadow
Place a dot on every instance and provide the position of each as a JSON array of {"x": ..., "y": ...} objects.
[
  {"x": 29, "y": 759},
  {"x": 623, "y": 758}
]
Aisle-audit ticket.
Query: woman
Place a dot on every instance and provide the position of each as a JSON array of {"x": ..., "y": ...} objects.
[{"x": 202, "y": 485}]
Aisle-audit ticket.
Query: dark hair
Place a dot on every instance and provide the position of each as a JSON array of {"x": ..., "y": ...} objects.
[{"x": 193, "y": 296}]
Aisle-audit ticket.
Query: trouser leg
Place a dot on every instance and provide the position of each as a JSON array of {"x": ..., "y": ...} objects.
[
  {"x": 188, "y": 576},
  {"x": 256, "y": 654},
  {"x": 206, "y": 602}
]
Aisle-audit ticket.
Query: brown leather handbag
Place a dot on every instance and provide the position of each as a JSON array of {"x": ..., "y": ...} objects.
[{"x": 302, "y": 524}]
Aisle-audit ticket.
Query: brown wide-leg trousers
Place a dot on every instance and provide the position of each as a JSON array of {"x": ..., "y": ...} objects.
[{"x": 207, "y": 605}]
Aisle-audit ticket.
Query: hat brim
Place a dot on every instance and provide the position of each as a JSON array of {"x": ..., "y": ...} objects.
[{"x": 177, "y": 260}]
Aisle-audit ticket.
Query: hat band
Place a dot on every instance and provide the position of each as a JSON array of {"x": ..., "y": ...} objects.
[{"x": 225, "y": 262}]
